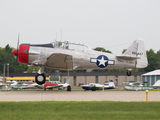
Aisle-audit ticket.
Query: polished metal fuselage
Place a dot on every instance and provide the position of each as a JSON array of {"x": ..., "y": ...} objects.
[{"x": 81, "y": 59}]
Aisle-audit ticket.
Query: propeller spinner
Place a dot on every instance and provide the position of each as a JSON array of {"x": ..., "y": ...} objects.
[{"x": 22, "y": 52}]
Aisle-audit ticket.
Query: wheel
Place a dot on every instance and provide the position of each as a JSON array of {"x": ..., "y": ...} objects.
[
  {"x": 69, "y": 88},
  {"x": 128, "y": 73},
  {"x": 40, "y": 79}
]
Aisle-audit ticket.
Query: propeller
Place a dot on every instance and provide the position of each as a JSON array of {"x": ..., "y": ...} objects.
[{"x": 17, "y": 53}]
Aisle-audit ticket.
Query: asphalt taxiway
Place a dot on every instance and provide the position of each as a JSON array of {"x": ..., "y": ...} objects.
[{"x": 79, "y": 96}]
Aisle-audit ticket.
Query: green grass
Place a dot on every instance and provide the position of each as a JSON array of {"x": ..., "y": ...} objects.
[{"x": 58, "y": 110}]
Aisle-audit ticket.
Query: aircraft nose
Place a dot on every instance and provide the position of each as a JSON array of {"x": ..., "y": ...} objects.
[{"x": 15, "y": 52}]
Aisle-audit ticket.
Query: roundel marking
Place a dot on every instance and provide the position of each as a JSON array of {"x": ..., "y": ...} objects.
[{"x": 102, "y": 61}]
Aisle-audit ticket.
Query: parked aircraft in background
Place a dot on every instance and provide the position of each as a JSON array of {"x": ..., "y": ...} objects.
[
  {"x": 96, "y": 86},
  {"x": 64, "y": 55},
  {"x": 48, "y": 85},
  {"x": 3, "y": 86},
  {"x": 139, "y": 86},
  {"x": 63, "y": 86},
  {"x": 20, "y": 85}
]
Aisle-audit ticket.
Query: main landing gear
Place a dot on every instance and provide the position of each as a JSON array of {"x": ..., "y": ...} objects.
[{"x": 40, "y": 78}]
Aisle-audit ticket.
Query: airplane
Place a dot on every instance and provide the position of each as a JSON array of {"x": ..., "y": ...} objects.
[
  {"x": 63, "y": 86},
  {"x": 20, "y": 85},
  {"x": 3, "y": 86},
  {"x": 64, "y": 55},
  {"x": 96, "y": 86},
  {"x": 135, "y": 86},
  {"x": 48, "y": 85}
]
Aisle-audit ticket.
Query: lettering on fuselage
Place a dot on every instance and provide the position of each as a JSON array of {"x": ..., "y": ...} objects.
[
  {"x": 137, "y": 53},
  {"x": 102, "y": 61}
]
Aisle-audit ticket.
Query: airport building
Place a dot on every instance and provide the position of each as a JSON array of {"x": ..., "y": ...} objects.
[
  {"x": 78, "y": 78},
  {"x": 151, "y": 78}
]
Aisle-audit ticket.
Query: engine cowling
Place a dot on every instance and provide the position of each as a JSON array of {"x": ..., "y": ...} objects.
[{"x": 22, "y": 53}]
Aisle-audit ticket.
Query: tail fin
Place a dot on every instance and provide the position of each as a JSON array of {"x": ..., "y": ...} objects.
[
  {"x": 111, "y": 84},
  {"x": 68, "y": 81},
  {"x": 14, "y": 83},
  {"x": 137, "y": 49},
  {"x": 157, "y": 83}
]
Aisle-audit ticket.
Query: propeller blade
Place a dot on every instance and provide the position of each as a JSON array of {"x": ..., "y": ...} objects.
[
  {"x": 17, "y": 56},
  {"x": 15, "y": 69}
]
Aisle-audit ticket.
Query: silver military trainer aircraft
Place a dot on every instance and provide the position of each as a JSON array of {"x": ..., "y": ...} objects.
[{"x": 64, "y": 55}]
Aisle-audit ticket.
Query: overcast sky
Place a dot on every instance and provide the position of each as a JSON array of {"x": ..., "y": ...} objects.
[{"x": 112, "y": 24}]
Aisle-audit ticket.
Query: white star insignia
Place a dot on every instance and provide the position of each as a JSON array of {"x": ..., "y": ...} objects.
[{"x": 102, "y": 61}]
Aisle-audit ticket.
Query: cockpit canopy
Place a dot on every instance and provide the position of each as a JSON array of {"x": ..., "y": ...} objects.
[
  {"x": 70, "y": 45},
  {"x": 63, "y": 45}
]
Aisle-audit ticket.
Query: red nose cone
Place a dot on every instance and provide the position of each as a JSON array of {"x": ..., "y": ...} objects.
[{"x": 15, "y": 52}]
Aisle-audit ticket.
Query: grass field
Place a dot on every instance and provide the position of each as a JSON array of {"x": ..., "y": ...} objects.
[{"x": 58, "y": 110}]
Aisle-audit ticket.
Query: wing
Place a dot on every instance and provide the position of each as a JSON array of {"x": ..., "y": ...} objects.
[
  {"x": 127, "y": 57},
  {"x": 58, "y": 61},
  {"x": 137, "y": 83}
]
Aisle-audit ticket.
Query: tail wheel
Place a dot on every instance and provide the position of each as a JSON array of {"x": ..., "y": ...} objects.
[
  {"x": 69, "y": 88},
  {"x": 128, "y": 73},
  {"x": 40, "y": 79}
]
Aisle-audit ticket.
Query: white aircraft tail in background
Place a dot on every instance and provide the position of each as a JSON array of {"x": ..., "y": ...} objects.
[
  {"x": 65, "y": 85},
  {"x": 157, "y": 83},
  {"x": 68, "y": 81}
]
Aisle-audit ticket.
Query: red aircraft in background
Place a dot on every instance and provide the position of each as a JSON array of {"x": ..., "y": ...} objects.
[{"x": 49, "y": 85}]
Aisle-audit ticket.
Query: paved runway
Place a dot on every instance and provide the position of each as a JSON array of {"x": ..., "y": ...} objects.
[{"x": 79, "y": 96}]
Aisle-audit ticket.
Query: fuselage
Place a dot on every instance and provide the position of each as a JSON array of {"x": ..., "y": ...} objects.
[
  {"x": 81, "y": 59},
  {"x": 85, "y": 59}
]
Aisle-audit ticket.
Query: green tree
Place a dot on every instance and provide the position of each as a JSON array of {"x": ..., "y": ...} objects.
[
  {"x": 31, "y": 69},
  {"x": 102, "y": 49},
  {"x": 153, "y": 63},
  {"x": 6, "y": 57},
  {"x": 158, "y": 59},
  {"x": 124, "y": 50}
]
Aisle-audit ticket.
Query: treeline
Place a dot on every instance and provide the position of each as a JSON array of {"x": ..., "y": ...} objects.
[{"x": 7, "y": 57}]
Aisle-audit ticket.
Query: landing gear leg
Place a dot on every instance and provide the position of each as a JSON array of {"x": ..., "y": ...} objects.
[{"x": 40, "y": 77}]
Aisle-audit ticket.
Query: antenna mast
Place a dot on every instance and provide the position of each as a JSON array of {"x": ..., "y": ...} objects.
[{"x": 61, "y": 34}]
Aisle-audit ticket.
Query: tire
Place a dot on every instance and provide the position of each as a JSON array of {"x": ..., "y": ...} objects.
[
  {"x": 40, "y": 79},
  {"x": 128, "y": 73},
  {"x": 69, "y": 88}
]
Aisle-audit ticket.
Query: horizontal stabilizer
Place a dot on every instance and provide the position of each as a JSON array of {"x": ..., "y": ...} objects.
[{"x": 128, "y": 57}]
